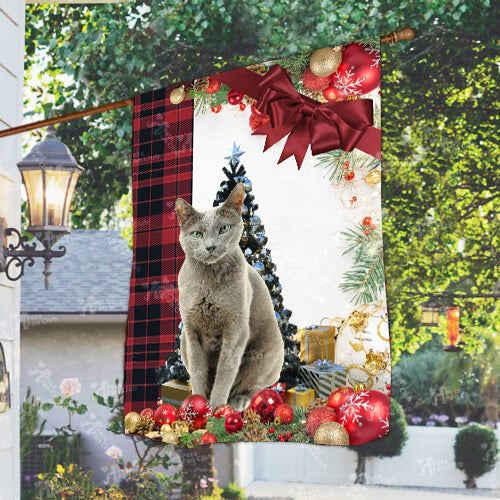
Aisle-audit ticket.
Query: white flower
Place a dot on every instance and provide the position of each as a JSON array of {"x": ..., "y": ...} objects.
[
  {"x": 114, "y": 452},
  {"x": 70, "y": 386}
]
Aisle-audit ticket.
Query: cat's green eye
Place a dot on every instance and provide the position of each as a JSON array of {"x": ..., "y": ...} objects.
[
  {"x": 224, "y": 229},
  {"x": 196, "y": 235}
]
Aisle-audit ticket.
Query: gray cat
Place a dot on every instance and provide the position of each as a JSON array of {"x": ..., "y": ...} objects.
[{"x": 231, "y": 343}]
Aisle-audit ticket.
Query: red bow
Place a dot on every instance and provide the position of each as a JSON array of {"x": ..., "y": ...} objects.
[{"x": 324, "y": 126}]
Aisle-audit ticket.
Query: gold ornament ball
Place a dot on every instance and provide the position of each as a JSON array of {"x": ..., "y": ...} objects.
[
  {"x": 325, "y": 61},
  {"x": 177, "y": 95},
  {"x": 131, "y": 419},
  {"x": 331, "y": 433},
  {"x": 373, "y": 178},
  {"x": 170, "y": 437},
  {"x": 199, "y": 432}
]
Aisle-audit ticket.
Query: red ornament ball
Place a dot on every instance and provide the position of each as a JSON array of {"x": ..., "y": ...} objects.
[
  {"x": 222, "y": 411},
  {"x": 216, "y": 109},
  {"x": 148, "y": 413},
  {"x": 213, "y": 86},
  {"x": 365, "y": 416},
  {"x": 288, "y": 435},
  {"x": 234, "y": 97},
  {"x": 271, "y": 430},
  {"x": 285, "y": 413},
  {"x": 208, "y": 438},
  {"x": 257, "y": 121},
  {"x": 349, "y": 176},
  {"x": 332, "y": 93},
  {"x": 338, "y": 397},
  {"x": 367, "y": 232},
  {"x": 243, "y": 106},
  {"x": 389, "y": 394},
  {"x": 313, "y": 82},
  {"x": 359, "y": 72},
  {"x": 233, "y": 423},
  {"x": 388, "y": 387},
  {"x": 195, "y": 410},
  {"x": 367, "y": 221},
  {"x": 317, "y": 417},
  {"x": 264, "y": 403},
  {"x": 165, "y": 414}
]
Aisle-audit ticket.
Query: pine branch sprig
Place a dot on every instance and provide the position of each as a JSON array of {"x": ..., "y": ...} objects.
[
  {"x": 366, "y": 278},
  {"x": 295, "y": 65},
  {"x": 203, "y": 102}
]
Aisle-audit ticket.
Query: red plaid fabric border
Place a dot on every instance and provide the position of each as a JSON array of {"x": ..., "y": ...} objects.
[{"x": 162, "y": 170}]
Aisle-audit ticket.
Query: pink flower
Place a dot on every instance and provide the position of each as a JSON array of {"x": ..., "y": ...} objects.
[
  {"x": 114, "y": 452},
  {"x": 70, "y": 387}
]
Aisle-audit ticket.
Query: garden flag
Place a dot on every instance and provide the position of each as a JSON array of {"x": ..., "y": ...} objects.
[{"x": 257, "y": 296}]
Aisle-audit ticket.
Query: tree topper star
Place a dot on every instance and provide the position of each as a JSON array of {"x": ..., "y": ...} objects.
[{"x": 234, "y": 154}]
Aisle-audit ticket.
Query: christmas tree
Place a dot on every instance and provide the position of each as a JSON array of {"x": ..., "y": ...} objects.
[{"x": 252, "y": 244}]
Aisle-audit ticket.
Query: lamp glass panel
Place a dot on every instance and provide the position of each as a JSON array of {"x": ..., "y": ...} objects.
[
  {"x": 55, "y": 194},
  {"x": 71, "y": 191},
  {"x": 34, "y": 191}
]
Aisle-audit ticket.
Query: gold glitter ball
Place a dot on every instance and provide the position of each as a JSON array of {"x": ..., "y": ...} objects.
[
  {"x": 177, "y": 95},
  {"x": 373, "y": 177},
  {"x": 332, "y": 434},
  {"x": 165, "y": 428},
  {"x": 170, "y": 437},
  {"x": 131, "y": 420},
  {"x": 325, "y": 61},
  {"x": 375, "y": 362}
]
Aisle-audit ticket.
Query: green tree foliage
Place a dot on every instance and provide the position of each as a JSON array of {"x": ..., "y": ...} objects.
[
  {"x": 476, "y": 452},
  {"x": 440, "y": 183}
]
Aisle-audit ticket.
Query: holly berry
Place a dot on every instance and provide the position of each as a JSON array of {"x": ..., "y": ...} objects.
[
  {"x": 349, "y": 176},
  {"x": 243, "y": 106},
  {"x": 354, "y": 198},
  {"x": 367, "y": 232},
  {"x": 216, "y": 109},
  {"x": 388, "y": 387},
  {"x": 389, "y": 393},
  {"x": 271, "y": 430},
  {"x": 367, "y": 221},
  {"x": 281, "y": 436},
  {"x": 346, "y": 163},
  {"x": 213, "y": 86},
  {"x": 288, "y": 435}
]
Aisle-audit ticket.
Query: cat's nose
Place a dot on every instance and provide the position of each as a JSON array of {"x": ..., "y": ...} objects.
[{"x": 210, "y": 249}]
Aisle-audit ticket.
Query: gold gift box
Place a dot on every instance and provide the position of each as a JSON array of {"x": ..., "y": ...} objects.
[
  {"x": 299, "y": 398},
  {"x": 317, "y": 342},
  {"x": 175, "y": 392}
]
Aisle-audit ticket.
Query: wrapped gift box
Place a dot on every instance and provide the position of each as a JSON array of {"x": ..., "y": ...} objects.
[
  {"x": 317, "y": 342},
  {"x": 175, "y": 392},
  {"x": 280, "y": 387},
  {"x": 299, "y": 396},
  {"x": 323, "y": 376}
]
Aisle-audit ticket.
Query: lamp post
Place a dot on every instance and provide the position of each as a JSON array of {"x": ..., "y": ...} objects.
[
  {"x": 429, "y": 315},
  {"x": 50, "y": 173}
]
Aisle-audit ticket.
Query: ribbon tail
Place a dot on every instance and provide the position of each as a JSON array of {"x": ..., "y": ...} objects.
[{"x": 297, "y": 143}]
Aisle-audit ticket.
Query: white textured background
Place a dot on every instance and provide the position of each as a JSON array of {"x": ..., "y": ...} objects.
[{"x": 302, "y": 213}]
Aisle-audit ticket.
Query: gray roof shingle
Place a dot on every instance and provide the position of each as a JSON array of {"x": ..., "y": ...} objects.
[{"x": 92, "y": 278}]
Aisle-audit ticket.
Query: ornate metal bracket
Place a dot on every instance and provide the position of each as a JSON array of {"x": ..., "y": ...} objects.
[{"x": 22, "y": 253}]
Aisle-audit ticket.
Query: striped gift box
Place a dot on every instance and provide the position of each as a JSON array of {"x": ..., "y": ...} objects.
[
  {"x": 175, "y": 392},
  {"x": 323, "y": 376}
]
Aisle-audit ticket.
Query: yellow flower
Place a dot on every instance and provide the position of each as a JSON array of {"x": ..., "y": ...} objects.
[
  {"x": 40, "y": 476},
  {"x": 60, "y": 469},
  {"x": 70, "y": 468}
]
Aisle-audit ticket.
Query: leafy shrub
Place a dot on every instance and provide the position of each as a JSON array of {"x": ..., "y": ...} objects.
[{"x": 476, "y": 452}]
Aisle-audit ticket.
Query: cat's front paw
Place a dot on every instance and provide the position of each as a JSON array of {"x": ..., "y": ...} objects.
[{"x": 239, "y": 403}]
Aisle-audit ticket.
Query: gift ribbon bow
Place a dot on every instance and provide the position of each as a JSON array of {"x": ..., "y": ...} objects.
[
  {"x": 279, "y": 388},
  {"x": 323, "y": 365},
  {"x": 323, "y": 126},
  {"x": 300, "y": 388}
]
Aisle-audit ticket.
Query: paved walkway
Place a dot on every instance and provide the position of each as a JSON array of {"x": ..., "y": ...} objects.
[{"x": 278, "y": 490}]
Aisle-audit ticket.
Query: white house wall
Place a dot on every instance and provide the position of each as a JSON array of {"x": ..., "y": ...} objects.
[{"x": 11, "y": 88}]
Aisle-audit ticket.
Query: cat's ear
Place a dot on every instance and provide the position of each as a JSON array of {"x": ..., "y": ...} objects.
[
  {"x": 183, "y": 210},
  {"x": 235, "y": 199}
]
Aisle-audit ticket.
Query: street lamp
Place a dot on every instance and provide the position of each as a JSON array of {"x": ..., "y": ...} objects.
[
  {"x": 429, "y": 313},
  {"x": 50, "y": 173}
]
